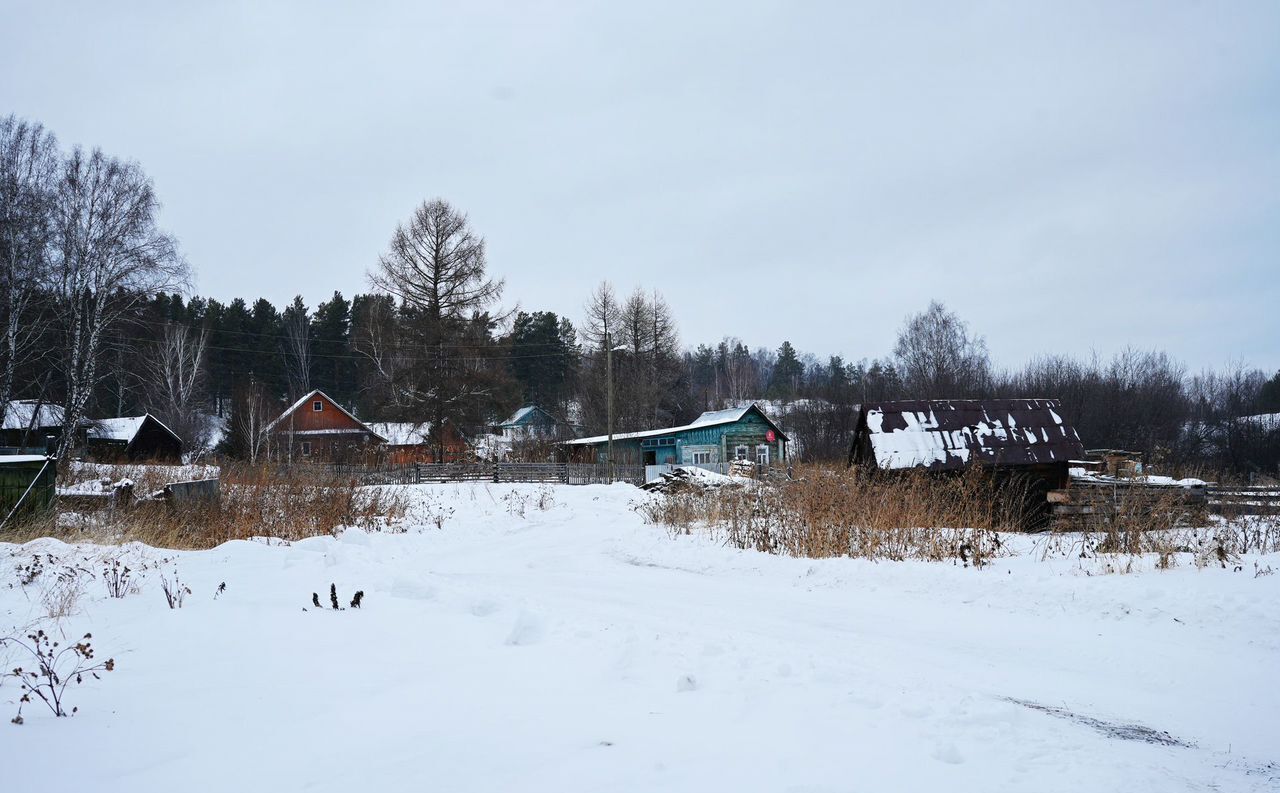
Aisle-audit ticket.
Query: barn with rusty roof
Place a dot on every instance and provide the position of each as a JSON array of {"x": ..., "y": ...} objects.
[{"x": 952, "y": 434}]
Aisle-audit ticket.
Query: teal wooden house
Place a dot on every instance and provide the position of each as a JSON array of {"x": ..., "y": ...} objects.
[{"x": 715, "y": 437}]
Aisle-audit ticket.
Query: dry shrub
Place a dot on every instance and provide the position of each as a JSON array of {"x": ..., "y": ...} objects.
[
  {"x": 827, "y": 511},
  {"x": 262, "y": 501}
]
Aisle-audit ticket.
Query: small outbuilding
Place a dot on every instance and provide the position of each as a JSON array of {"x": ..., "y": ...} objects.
[
  {"x": 133, "y": 438},
  {"x": 1029, "y": 435},
  {"x": 32, "y": 425}
]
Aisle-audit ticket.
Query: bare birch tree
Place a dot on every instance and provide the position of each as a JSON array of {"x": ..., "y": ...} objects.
[
  {"x": 938, "y": 359},
  {"x": 109, "y": 258},
  {"x": 297, "y": 347},
  {"x": 251, "y": 413},
  {"x": 175, "y": 370},
  {"x": 28, "y": 177}
]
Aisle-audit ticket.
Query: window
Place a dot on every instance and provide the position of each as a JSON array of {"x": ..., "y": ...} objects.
[
  {"x": 741, "y": 453},
  {"x": 306, "y": 448},
  {"x": 703, "y": 457},
  {"x": 762, "y": 454},
  {"x": 317, "y": 406}
]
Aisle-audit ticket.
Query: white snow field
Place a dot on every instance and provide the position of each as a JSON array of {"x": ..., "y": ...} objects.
[{"x": 575, "y": 648}]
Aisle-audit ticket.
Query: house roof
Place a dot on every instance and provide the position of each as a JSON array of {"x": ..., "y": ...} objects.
[
  {"x": 951, "y": 433},
  {"x": 402, "y": 433},
  {"x": 123, "y": 428},
  {"x": 524, "y": 414},
  {"x": 709, "y": 419},
  {"x": 304, "y": 400},
  {"x": 23, "y": 414}
]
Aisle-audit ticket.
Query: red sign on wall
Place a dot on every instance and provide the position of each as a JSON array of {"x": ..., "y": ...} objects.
[{"x": 770, "y": 437}]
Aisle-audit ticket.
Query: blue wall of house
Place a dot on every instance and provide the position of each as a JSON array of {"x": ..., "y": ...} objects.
[{"x": 679, "y": 447}]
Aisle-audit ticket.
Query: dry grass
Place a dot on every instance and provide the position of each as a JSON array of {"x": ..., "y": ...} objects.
[
  {"x": 255, "y": 502},
  {"x": 826, "y": 511},
  {"x": 1160, "y": 528}
]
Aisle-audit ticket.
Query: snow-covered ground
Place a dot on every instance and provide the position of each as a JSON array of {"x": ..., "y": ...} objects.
[{"x": 545, "y": 639}]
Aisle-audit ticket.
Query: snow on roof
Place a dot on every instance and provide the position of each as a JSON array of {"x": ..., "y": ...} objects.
[
  {"x": 941, "y": 434},
  {"x": 122, "y": 428},
  {"x": 20, "y": 412},
  {"x": 519, "y": 415},
  {"x": 708, "y": 419},
  {"x": 402, "y": 433},
  {"x": 304, "y": 400}
]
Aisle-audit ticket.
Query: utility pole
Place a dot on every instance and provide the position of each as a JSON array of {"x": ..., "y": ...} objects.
[{"x": 608, "y": 345}]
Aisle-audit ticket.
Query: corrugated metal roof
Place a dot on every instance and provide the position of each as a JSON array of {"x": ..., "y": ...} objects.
[{"x": 952, "y": 433}]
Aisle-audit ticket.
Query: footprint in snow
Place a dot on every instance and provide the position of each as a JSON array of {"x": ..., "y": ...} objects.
[
  {"x": 483, "y": 608},
  {"x": 687, "y": 683},
  {"x": 529, "y": 629},
  {"x": 411, "y": 589},
  {"x": 947, "y": 753}
]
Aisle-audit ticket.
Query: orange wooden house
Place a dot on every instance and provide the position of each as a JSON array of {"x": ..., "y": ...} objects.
[
  {"x": 315, "y": 428},
  {"x": 409, "y": 442}
]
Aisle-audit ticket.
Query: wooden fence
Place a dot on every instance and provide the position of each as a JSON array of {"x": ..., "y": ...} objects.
[
  {"x": 500, "y": 473},
  {"x": 1254, "y": 500}
]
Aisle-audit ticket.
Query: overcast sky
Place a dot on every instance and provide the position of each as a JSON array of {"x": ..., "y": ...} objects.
[{"x": 1068, "y": 178}]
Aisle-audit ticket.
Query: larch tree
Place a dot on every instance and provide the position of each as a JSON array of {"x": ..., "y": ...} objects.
[{"x": 435, "y": 264}]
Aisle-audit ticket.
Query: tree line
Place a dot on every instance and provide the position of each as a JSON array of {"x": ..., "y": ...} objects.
[{"x": 97, "y": 319}]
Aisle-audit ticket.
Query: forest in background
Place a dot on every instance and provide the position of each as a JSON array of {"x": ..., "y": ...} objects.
[{"x": 97, "y": 318}]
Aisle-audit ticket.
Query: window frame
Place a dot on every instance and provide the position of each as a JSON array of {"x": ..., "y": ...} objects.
[
  {"x": 317, "y": 406},
  {"x": 768, "y": 453},
  {"x": 306, "y": 448},
  {"x": 742, "y": 452}
]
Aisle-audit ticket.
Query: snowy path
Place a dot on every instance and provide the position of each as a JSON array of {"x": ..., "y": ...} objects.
[{"x": 578, "y": 649}]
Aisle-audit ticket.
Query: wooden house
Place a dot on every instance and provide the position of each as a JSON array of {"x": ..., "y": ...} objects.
[
  {"x": 715, "y": 437},
  {"x": 316, "y": 428},
  {"x": 536, "y": 424},
  {"x": 133, "y": 438},
  {"x": 410, "y": 442}
]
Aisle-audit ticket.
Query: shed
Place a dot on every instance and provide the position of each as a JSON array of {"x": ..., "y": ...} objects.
[
  {"x": 318, "y": 428},
  {"x": 32, "y": 424},
  {"x": 952, "y": 434},
  {"x": 715, "y": 437},
  {"x": 26, "y": 479},
  {"x": 142, "y": 437}
]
